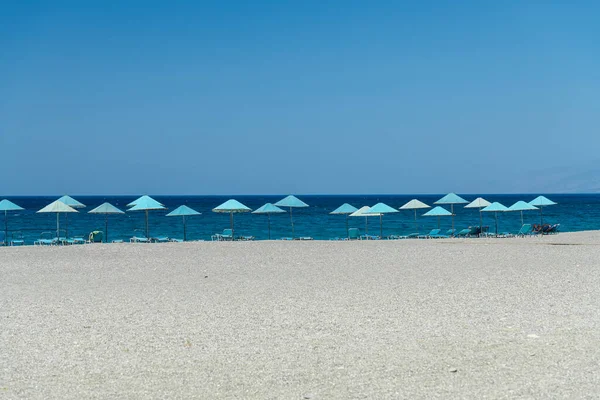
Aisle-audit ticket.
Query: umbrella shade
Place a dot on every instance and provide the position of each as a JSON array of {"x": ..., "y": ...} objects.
[
  {"x": 382, "y": 208},
  {"x": 345, "y": 209},
  {"x": 542, "y": 202},
  {"x": 183, "y": 211},
  {"x": 144, "y": 198},
  {"x": 415, "y": 205},
  {"x": 231, "y": 206},
  {"x": 268, "y": 209},
  {"x": 365, "y": 212},
  {"x": 146, "y": 203},
  {"x": 106, "y": 209},
  {"x": 479, "y": 203},
  {"x": 452, "y": 199},
  {"x": 495, "y": 207},
  {"x": 57, "y": 207},
  {"x": 521, "y": 206},
  {"x": 6, "y": 206},
  {"x": 438, "y": 212},
  {"x": 291, "y": 202}
]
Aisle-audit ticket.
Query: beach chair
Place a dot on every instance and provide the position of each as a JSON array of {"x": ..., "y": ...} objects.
[
  {"x": 474, "y": 231},
  {"x": 246, "y": 238},
  {"x": 17, "y": 239},
  {"x": 369, "y": 237},
  {"x": 450, "y": 232},
  {"x": 176, "y": 240},
  {"x": 46, "y": 239},
  {"x": 304, "y": 238},
  {"x": 226, "y": 235},
  {"x": 353, "y": 234},
  {"x": 432, "y": 233},
  {"x": 160, "y": 239},
  {"x": 525, "y": 230},
  {"x": 463, "y": 233},
  {"x": 95, "y": 237},
  {"x": 440, "y": 235},
  {"x": 139, "y": 239}
]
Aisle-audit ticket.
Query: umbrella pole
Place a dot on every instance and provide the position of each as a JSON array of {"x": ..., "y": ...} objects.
[
  {"x": 184, "y": 229},
  {"x": 416, "y": 226},
  {"x": 366, "y": 225},
  {"x": 381, "y": 226},
  {"x": 522, "y": 218},
  {"x": 542, "y": 219},
  {"x": 57, "y": 226},
  {"x": 480, "y": 221},
  {"x": 147, "y": 230},
  {"x": 231, "y": 223},
  {"x": 452, "y": 211},
  {"x": 66, "y": 226},
  {"x": 5, "y": 227},
  {"x": 269, "y": 223},
  {"x": 496, "y": 214},
  {"x": 292, "y": 221},
  {"x": 438, "y": 222},
  {"x": 105, "y": 228}
]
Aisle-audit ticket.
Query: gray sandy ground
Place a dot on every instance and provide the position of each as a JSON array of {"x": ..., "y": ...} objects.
[{"x": 480, "y": 318}]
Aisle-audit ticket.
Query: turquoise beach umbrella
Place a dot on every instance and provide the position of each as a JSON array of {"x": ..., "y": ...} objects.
[
  {"x": 268, "y": 209},
  {"x": 521, "y": 206},
  {"x": 382, "y": 208},
  {"x": 57, "y": 207},
  {"x": 495, "y": 207},
  {"x": 106, "y": 209},
  {"x": 183, "y": 211},
  {"x": 291, "y": 202},
  {"x": 365, "y": 211},
  {"x": 231, "y": 206},
  {"x": 541, "y": 202},
  {"x": 345, "y": 209},
  {"x": 438, "y": 212},
  {"x": 6, "y": 206},
  {"x": 452, "y": 199},
  {"x": 146, "y": 203},
  {"x": 479, "y": 203},
  {"x": 415, "y": 205},
  {"x": 71, "y": 202}
]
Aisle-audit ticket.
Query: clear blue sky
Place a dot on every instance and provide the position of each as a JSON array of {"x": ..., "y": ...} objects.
[{"x": 236, "y": 97}]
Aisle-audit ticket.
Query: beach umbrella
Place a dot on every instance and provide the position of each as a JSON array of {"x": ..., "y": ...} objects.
[
  {"x": 364, "y": 212},
  {"x": 495, "y": 207},
  {"x": 231, "y": 206},
  {"x": 521, "y": 206},
  {"x": 71, "y": 202},
  {"x": 415, "y": 205},
  {"x": 146, "y": 203},
  {"x": 541, "y": 202},
  {"x": 291, "y": 202},
  {"x": 57, "y": 207},
  {"x": 451, "y": 199},
  {"x": 183, "y": 211},
  {"x": 438, "y": 212},
  {"x": 106, "y": 209},
  {"x": 479, "y": 203},
  {"x": 6, "y": 206},
  {"x": 268, "y": 209},
  {"x": 382, "y": 208},
  {"x": 345, "y": 209}
]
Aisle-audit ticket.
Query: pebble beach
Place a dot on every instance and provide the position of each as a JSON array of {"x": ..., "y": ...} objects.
[{"x": 450, "y": 318}]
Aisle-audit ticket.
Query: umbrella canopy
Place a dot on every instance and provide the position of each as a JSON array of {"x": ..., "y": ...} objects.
[
  {"x": 231, "y": 206},
  {"x": 382, "y": 208},
  {"x": 495, "y": 207},
  {"x": 71, "y": 202},
  {"x": 106, "y": 209},
  {"x": 57, "y": 207},
  {"x": 438, "y": 212},
  {"x": 183, "y": 211},
  {"x": 146, "y": 203},
  {"x": 142, "y": 199},
  {"x": 291, "y": 202},
  {"x": 521, "y": 206},
  {"x": 6, "y": 206},
  {"x": 452, "y": 199},
  {"x": 542, "y": 202},
  {"x": 479, "y": 203},
  {"x": 345, "y": 209},
  {"x": 415, "y": 205},
  {"x": 268, "y": 209},
  {"x": 365, "y": 212}
]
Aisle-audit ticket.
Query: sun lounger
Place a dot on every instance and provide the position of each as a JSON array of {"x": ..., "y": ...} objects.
[
  {"x": 139, "y": 239},
  {"x": 226, "y": 235},
  {"x": 369, "y": 237},
  {"x": 117, "y": 241},
  {"x": 464, "y": 233},
  {"x": 353, "y": 234},
  {"x": 525, "y": 230},
  {"x": 46, "y": 239},
  {"x": 246, "y": 238},
  {"x": 160, "y": 239},
  {"x": 17, "y": 239},
  {"x": 432, "y": 233}
]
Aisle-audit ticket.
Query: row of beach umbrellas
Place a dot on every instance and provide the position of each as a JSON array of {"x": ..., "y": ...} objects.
[{"x": 67, "y": 204}]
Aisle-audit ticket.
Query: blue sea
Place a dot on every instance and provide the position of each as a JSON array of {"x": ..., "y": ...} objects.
[{"x": 575, "y": 212}]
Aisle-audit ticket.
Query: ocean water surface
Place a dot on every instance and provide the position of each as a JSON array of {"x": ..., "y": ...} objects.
[{"x": 575, "y": 212}]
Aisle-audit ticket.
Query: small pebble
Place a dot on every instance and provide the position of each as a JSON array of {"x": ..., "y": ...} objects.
[
  {"x": 533, "y": 336},
  {"x": 308, "y": 396},
  {"x": 453, "y": 370}
]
